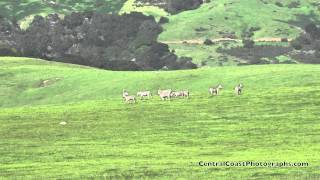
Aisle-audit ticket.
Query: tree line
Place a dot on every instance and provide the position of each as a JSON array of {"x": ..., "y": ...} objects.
[{"x": 108, "y": 41}]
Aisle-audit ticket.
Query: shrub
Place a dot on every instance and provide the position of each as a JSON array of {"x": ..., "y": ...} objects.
[
  {"x": 248, "y": 43},
  {"x": 163, "y": 20},
  {"x": 294, "y": 4},
  {"x": 208, "y": 42},
  {"x": 279, "y": 4},
  {"x": 253, "y": 29},
  {"x": 296, "y": 45},
  {"x": 313, "y": 30},
  {"x": 176, "y": 6}
]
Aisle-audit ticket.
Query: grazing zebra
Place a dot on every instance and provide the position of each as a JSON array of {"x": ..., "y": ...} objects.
[
  {"x": 215, "y": 90},
  {"x": 180, "y": 94},
  {"x": 186, "y": 93},
  {"x": 124, "y": 93},
  {"x": 127, "y": 98},
  {"x": 238, "y": 89},
  {"x": 130, "y": 99},
  {"x": 143, "y": 94},
  {"x": 165, "y": 94},
  {"x": 176, "y": 94}
]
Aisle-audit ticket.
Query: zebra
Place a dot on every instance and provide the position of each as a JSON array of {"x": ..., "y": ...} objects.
[
  {"x": 130, "y": 99},
  {"x": 238, "y": 89},
  {"x": 215, "y": 90},
  {"x": 165, "y": 94},
  {"x": 176, "y": 94},
  {"x": 180, "y": 94},
  {"x": 186, "y": 93},
  {"x": 124, "y": 93},
  {"x": 144, "y": 94},
  {"x": 127, "y": 98}
]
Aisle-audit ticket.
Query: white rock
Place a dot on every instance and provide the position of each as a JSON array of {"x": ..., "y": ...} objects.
[{"x": 63, "y": 123}]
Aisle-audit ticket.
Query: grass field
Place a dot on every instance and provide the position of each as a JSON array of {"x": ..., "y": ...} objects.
[{"x": 276, "y": 119}]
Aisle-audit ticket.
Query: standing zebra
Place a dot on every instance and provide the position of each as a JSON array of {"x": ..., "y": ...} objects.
[
  {"x": 130, "y": 99},
  {"x": 165, "y": 94},
  {"x": 215, "y": 90},
  {"x": 124, "y": 93},
  {"x": 143, "y": 94},
  {"x": 184, "y": 94},
  {"x": 238, "y": 89},
  {"x": 127, "y": 98}
]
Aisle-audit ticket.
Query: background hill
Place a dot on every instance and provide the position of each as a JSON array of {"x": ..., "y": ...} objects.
[
  {"x": 225, "y": 22},
  {"x": 275, "y": 120}
]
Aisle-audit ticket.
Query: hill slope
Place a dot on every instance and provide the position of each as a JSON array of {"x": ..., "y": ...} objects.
[
  {"x": 275, "y": 120},
  {"x": 221, "y": 17},
  {"x": 222, "y": 20},
  {"x": 275, "y": 19},
  {"x": 22, "y": 82},
  {"x": 229, "y": 18},
  {"x": 269, "y": 19}
]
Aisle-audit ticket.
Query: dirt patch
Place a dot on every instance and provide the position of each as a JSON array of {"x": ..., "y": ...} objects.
[
  {"x": 199, "y": 41},
  {"x": 48, "y": 82}
]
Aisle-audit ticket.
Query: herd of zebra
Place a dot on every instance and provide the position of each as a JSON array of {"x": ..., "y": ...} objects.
[{"x": 169, "y": 93}]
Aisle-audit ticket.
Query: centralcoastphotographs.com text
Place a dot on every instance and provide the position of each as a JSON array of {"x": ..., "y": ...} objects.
[{"x": 251, "y": 164}]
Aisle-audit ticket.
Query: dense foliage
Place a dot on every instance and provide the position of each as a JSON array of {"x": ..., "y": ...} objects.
[
  {"x": 109, "y": 41},
  {"x": 307, "y": 45},
  {"x": 174, "y": 6}
]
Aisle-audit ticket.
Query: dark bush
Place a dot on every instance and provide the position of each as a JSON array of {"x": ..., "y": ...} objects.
[
  {"x": 186, "y": 63},
  {"x": 257, "y": 54},
  {"x": 172, "y": 6},
  {"x": 294, "y": 4},
  {"x": 6, "y": 50},
  {"x": 296, "y": 45},
  {"x": 253, "y": 29},
  {"x": 208, "y": 42},
  {"x": 308, "y": 45},
  {"x": 248, "y": 43},
  {"x": 201, "y": 29},
  {"x": 313, "y": 30},
  {"x": 176, "y": 6},
  {"x": 163, "y": 20},
  {"x": 279, "y": 4}
]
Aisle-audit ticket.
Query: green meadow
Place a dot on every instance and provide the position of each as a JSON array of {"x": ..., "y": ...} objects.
[{"x": 274, "y": 120}]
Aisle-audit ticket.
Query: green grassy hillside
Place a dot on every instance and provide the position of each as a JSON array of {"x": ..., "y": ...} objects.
[
  {"x": 216, "y": 16},
  {"x": 218, "y": 19},
  {"x": 237, "y": 16},
  {"x": 221, "y": 18},
  {"x": 275, "y": 120}
]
